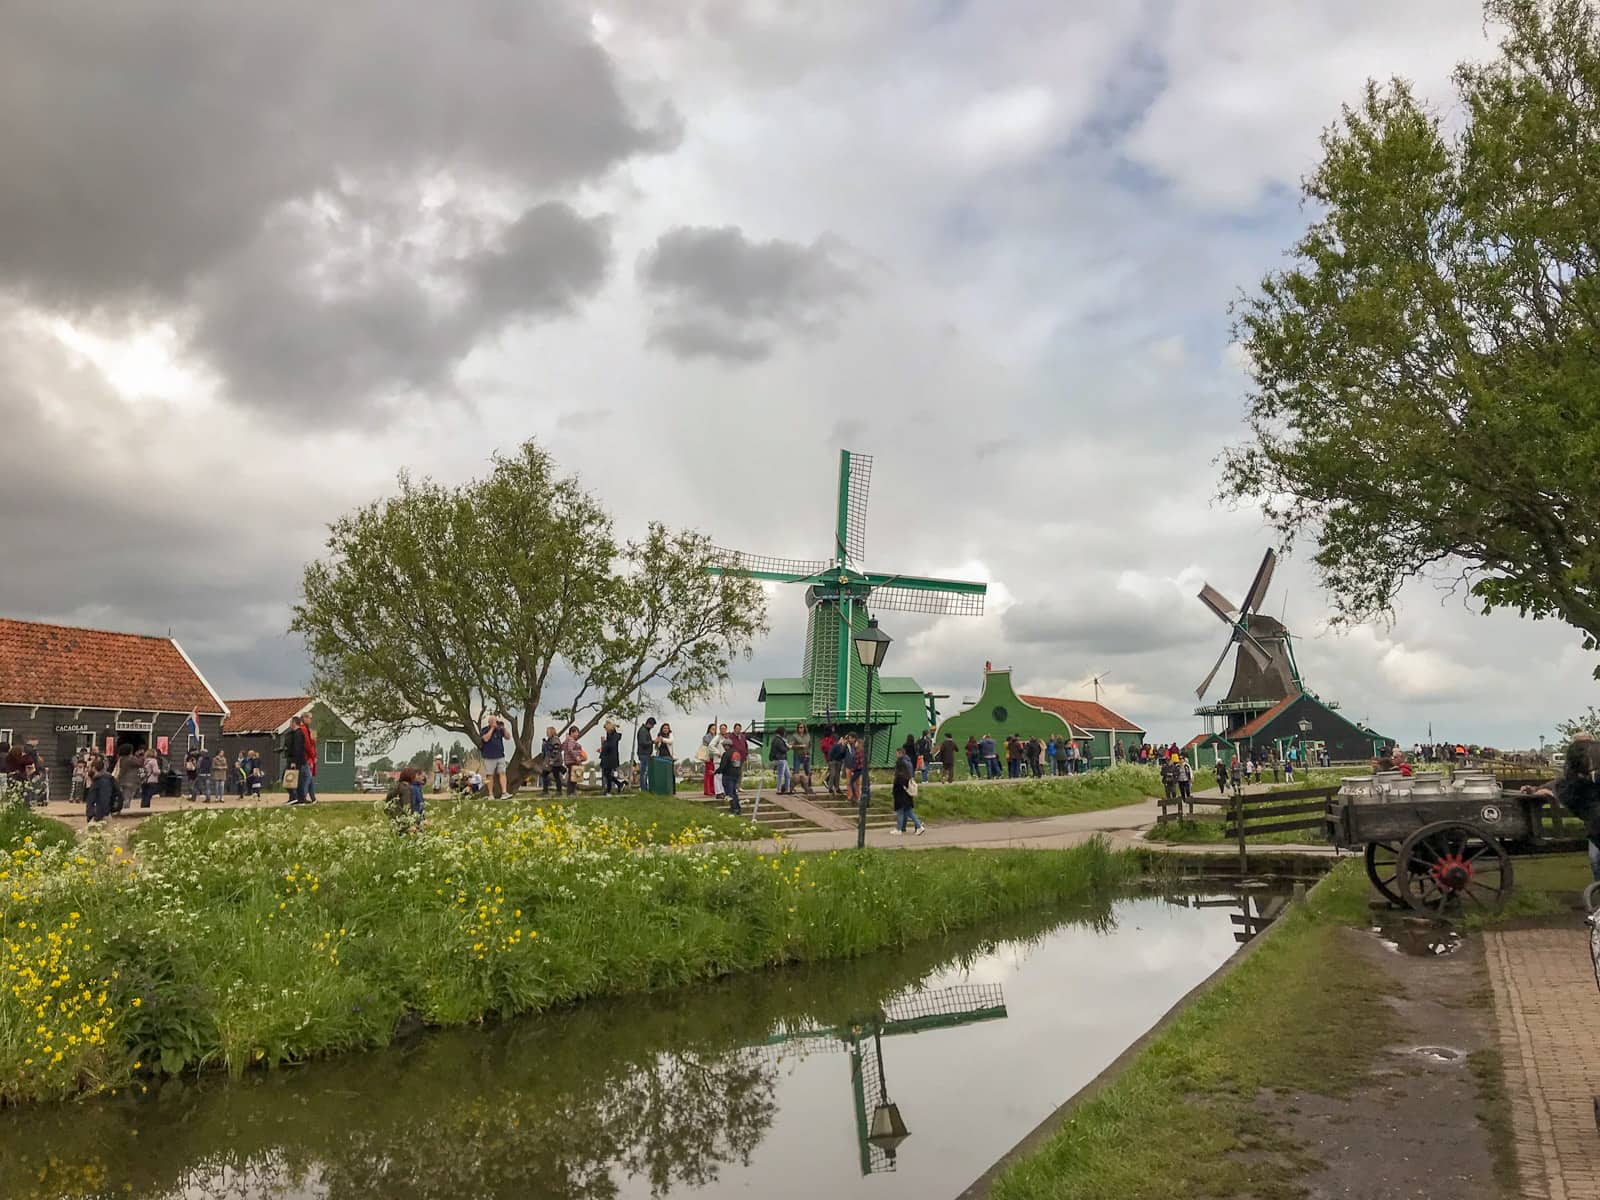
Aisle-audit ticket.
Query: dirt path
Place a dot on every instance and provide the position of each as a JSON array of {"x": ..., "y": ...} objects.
[{"x": 1416, "y": 1128}]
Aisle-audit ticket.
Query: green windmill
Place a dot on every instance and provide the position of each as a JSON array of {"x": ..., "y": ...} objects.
[
  {"x": 880, "y": 1129},
  {"x": 832, "y": 687}
]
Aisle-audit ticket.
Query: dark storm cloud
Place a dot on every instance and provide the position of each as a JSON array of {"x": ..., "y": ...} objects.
[
  {"x": 403, "y": 318},
  {"x": 160, "y": 154},
  {"x": 721, "y": 295}
]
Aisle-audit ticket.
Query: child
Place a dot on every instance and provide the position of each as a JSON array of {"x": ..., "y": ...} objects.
[
  {"x": 730, "y": 777},
  {"x": 258, "y": 780}
]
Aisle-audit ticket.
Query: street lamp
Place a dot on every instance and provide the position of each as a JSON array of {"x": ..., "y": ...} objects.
[
  {"x": 872, "y": 644},
  {"x": 1305, "y": 728}
]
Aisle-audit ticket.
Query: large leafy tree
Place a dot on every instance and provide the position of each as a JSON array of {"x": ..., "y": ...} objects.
[
  {"x": 1426, "y": 369},
  {"x": 444, "y": 604}
]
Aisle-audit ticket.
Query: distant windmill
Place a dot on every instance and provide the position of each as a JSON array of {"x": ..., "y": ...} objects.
[
  {"x": 1265, "y": 669},
  {"x": 837, "y": 592},
  {"x": 1094, "y": 681}
]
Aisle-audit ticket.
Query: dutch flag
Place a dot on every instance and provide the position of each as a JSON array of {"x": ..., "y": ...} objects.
[{"x": 193, "y": 722}]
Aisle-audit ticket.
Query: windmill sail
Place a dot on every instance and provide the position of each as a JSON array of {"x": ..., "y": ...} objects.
[
  {"x": 855, "y": 479},
  {"x": 1263, "y": 580},
  {"x": 1264, "y": 666}
]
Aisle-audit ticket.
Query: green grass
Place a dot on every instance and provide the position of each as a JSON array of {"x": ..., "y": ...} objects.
[
  {"x": 997, "y": 801},
  {"x": 18, "y": 822},
  {"x": 230, "y": 940},
  {"x": 1184, "y": 1118},
  {"x": 1543, "y": 886},
  {"x": 659, "y": 818}
]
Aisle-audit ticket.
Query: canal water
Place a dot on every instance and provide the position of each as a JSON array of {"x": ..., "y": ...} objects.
[{"x": 766, "y": 1086}]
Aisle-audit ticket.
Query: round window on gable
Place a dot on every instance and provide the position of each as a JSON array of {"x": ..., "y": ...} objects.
[{"x": 999, "y": 713}]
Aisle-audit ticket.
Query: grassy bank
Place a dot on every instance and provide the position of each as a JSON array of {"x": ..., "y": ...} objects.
[
  {"x": 1183, "y": 1119},
  {"x": 279, "y": 939},
  {"x": 657, "y": 818},
  {"x": 20, "y": 824},
  {"x": 1047, "y": 797}
]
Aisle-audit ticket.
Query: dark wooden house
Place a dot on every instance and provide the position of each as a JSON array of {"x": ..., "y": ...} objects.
[
  {"x": 262, "y": 725},
  {"x": 63, "y": 687}
]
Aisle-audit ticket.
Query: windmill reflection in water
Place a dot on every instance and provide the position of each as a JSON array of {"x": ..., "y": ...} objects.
[{"x": 880, "y": 1128}]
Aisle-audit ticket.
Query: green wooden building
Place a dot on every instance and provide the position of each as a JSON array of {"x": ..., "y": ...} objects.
[
  {"x": 1001, "y": 711},
  {"x": 262, "y": 726}
]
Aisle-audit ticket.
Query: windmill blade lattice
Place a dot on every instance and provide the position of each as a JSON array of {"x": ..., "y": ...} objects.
[
  {"x": 917, "y": 600},
  {"x": 855, "y": 507},
  {"x": 738, "y": 560}
]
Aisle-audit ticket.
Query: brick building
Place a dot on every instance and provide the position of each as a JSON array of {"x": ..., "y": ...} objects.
[{"x": 66, "y": 687}]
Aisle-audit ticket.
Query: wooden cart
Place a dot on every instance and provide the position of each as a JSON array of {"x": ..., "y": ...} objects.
[{"x": 1440, "y": 853}]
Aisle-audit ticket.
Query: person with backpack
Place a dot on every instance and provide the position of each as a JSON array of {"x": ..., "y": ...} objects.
[
  {"x": 925, "y": 753},
  {"x": 905, "y": 791},
  {"x": 102, "y": 788}
]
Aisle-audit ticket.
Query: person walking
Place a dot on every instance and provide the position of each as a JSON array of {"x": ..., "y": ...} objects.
[
  {"x": 973, "y": 758},
  {"x": 800, "y": 747},
  {"x": 719, "y": 743},
  {"x": 1186, "y": 783},
  {"x": 572, "y": 757},
  {"x": 200, "y": 786},
  {"x": 708, "y": 759},
  {"x": 101, "y": 788},
  {"x": 643, "y": 750},
  {"x": 925, "y": 753},
  {"x": 191, "y": 768},
  {"x": 610, "y": 759},
  {"x": 1035, "y": 750},
  {"x": 310, "y": 780},
  {"x": 492, "y": 739},
  {"x": 149, "y": 778},
  {"x": 219, "y": 776},
  {"x": 728, "y": 769},
  {"x": 947, "y": 758},
  {"x": 838, "y": 755},
  {"x": 905, "y": 792},
  {"x": 294, "y": 753},
  {"x": 778, "y": 753},
  {"x": 550, "y": 753},
  {"x": 741, "y": 755}
]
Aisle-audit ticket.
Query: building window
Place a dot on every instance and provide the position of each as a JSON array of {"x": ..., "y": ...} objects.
[
  {"x": 197, "y": 741},
  {"x": 5, "y": 737},
  {"x": 333, "y": 752}
]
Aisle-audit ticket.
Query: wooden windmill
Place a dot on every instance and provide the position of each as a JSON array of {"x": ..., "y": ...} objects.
[
  {"x": 838, "y": 590},
  {"x": 1264, "y": 670}
]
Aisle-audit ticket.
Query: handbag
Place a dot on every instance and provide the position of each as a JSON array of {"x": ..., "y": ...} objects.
[
  {"x": 702, "y": 753},
  {"x": 291, "y": 778},
  {"x": 911, "y": 787}
]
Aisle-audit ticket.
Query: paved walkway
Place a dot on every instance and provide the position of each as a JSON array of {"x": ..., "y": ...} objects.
[{"x": 1545, "y": 1001}]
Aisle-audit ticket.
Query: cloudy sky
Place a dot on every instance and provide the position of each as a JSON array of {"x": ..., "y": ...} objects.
[{"x": 256, "y": 258}]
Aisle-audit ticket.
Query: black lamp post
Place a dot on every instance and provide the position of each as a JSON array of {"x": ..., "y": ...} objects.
[{"x": 872, "y": 644}]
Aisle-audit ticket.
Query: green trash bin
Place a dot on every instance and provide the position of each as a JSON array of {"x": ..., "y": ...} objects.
[{"x": 663, "y": 778}]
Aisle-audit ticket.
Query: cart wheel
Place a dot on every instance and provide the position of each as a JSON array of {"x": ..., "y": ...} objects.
[
  {"x": 1383, "y": 868},
  {"x": 1451, "y": 864}
]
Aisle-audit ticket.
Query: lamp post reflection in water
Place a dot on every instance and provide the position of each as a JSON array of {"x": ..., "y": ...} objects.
[{"x": 880, "y": 1129}]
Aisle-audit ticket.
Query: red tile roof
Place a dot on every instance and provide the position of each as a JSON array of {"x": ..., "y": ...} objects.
[
  {"x": 91, "y": 668},
  {"x": 1251, "y": 728},
  {"x": 1085, "y": 713},
  {"x": 1195, "y": 740},
  {"x": 262, "y": 716}
]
